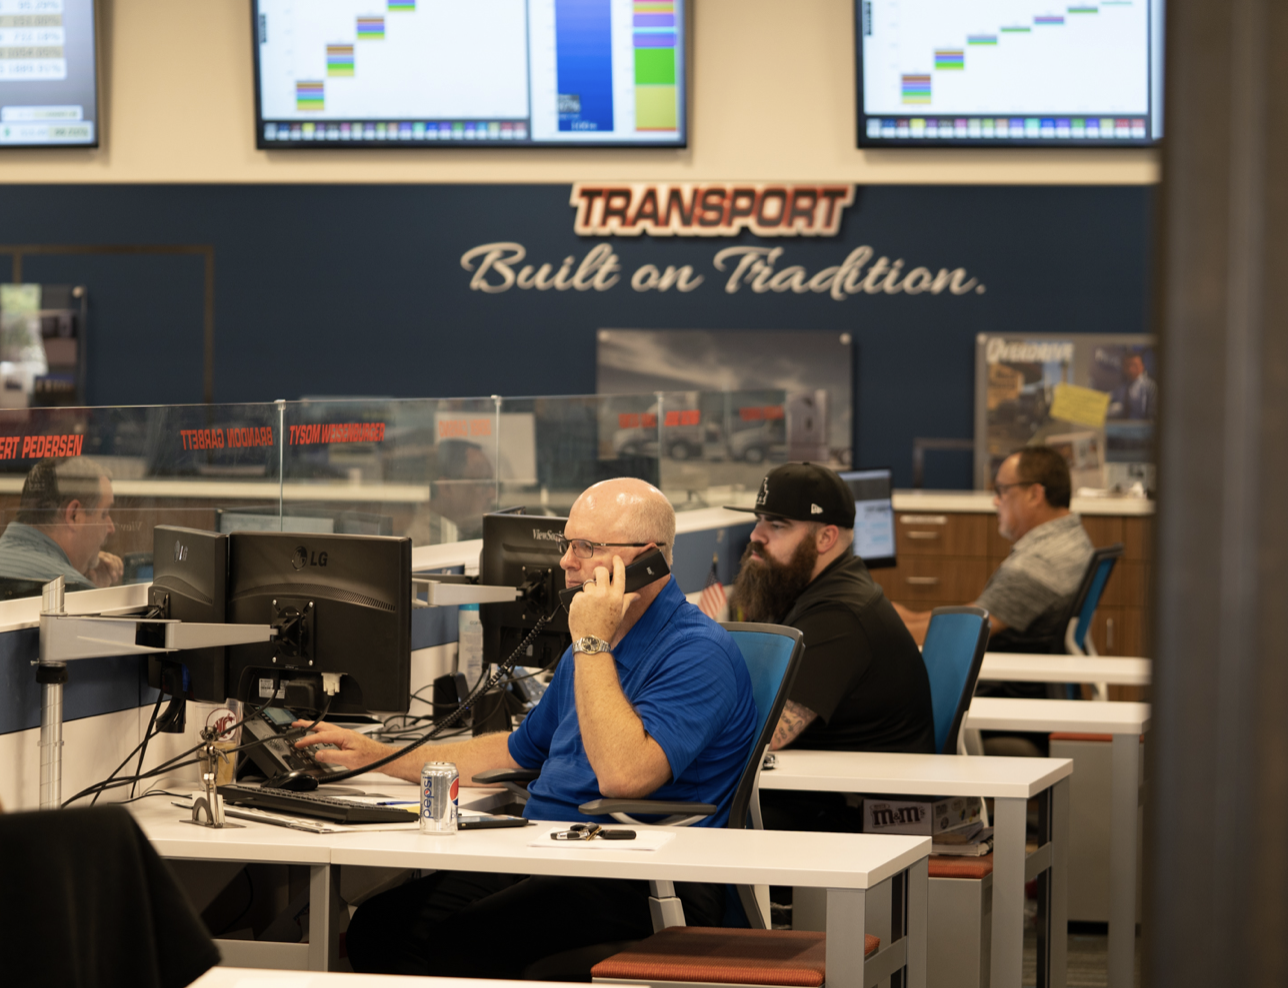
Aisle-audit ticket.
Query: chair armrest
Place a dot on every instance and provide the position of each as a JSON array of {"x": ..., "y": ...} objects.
[
  {"x": 496, "y": 775},
  {"x": 679, "y": 814}
]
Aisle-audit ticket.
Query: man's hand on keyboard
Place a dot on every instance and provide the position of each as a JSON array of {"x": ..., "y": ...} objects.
[{"x": 346, "y": 748}]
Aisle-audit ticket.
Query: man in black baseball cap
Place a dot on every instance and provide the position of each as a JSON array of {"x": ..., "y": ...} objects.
[{"x": 862, "y": 685}]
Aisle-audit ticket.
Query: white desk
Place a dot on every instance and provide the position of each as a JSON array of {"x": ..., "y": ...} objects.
[
  {"x": 1011, "y": 782},
  {"x": 1126, "y": 722},
  {"x": 848, "y": 866},
  {"x": 1022, "y": 668}
]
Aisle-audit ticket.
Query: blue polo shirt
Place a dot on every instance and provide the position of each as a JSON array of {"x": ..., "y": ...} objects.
[{"x": 688, "y": 683}]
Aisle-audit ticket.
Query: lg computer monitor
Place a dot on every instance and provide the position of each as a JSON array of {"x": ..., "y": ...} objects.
[
  {"x": 190, "y": 573},
  {"x": 506, "y": 73},
  {"x": 993, "y": 73},
  {"x": 873, "y": 516},
  {"x": 341, "y": 604},
  {"x": 522, "y": 551}
]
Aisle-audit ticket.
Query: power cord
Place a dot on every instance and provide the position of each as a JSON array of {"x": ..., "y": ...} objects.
[{"x": 451, "y": 720}]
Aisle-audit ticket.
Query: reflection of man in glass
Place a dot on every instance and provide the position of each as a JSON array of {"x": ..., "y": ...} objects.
[
  {"x": 64, "y": 516},
  {"x": 1137, "y": 396},
  {"x": 463, "y": 489}
]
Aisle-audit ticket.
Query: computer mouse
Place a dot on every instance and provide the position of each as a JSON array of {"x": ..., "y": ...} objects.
[{"x": 297, "y": 781}]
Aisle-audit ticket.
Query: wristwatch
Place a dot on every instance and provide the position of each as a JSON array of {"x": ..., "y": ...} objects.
[{"x": 591, "y": 645}]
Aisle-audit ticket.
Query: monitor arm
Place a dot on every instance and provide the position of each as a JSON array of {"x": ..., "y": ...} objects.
[{"x": 68, "y": 637}]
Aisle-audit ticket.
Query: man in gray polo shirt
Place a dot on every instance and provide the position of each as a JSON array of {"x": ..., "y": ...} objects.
[
  {"x": 64, "y": 516},
  {"x": 1029, "y": 592}
]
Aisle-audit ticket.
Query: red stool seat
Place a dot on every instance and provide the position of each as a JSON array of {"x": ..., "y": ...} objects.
[
  {"x": 954, "y": 866},
  {"x": 711, "y": 954}
]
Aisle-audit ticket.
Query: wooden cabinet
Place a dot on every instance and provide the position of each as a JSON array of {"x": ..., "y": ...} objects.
[{"x": 946, "y": 558}]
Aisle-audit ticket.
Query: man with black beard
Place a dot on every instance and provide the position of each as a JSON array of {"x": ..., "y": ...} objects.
[{"x": 862, "y": 685}]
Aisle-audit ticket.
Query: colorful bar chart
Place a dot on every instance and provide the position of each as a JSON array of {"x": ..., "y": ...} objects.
[
  {"x": 371, "y": 28},
  {"x": 916, "y": 89},
  {"x": 1048, "y": 19},
  {"x": 951, "y": 59},
  {"x": 309, "y": 96},
  {"x": 653, "y": 38},
  {"x": 404, "y": 5},
  {"x": 584, "y": 64},
  {"x": 339, "y": 60},
  {"x": 982, "y": 39}
]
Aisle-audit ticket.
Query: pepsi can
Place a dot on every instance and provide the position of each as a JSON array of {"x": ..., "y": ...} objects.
[{"x": 439, "y": 794}]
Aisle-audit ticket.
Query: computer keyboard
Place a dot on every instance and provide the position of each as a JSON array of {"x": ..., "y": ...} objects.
[{"x": 311, "y": 804}]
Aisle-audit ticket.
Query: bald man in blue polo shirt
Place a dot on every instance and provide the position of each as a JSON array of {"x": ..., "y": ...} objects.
[{"x": 652, "y": 700}]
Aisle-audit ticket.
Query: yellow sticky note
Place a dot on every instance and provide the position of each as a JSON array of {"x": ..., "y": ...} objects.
[{"x": 1082, "y": 406}]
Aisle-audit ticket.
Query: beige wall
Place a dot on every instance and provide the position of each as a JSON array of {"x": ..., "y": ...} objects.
[{"x": 772, "y": 98}]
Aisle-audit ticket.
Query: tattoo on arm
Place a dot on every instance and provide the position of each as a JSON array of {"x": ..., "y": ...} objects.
[{"x": 795, "y": 718}]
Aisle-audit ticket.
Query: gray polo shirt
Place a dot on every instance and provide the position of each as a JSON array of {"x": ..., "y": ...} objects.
[
  {"x": 27, "y": 553},
  {"x": 1045, "y": 568}
]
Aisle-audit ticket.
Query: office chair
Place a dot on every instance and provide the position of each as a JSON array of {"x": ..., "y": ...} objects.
[
  {"x": 772, "y": 654},
  {"x": 677, "y": 954},
  {"x": 88, "y": 903},
  {"x": 956, "y": 640},
  {"x": 1077, "y": 637}
]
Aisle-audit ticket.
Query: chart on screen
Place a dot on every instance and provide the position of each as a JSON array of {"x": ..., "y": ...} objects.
[
  {"x": 533, "y": 71},
  {"x": 48, "y": 79},
  {"x": 1018, "y": 69}
]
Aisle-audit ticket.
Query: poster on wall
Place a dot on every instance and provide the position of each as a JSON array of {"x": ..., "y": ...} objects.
[
  {"x": 744, "y": 398},
  {"x": 1092, "y": 397}
]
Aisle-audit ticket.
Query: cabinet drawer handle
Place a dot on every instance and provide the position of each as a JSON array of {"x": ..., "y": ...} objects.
[
  {"x": 924, "y": 535},
  {"x": 922, "y": 581},
  {"x": 924, "y": 519}
]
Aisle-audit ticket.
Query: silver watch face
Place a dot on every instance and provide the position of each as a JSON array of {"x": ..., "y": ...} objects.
[{"x": 591, "y": 645}]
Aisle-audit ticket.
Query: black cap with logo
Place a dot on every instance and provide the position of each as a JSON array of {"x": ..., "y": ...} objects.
[{"x": 805, "y": 492}]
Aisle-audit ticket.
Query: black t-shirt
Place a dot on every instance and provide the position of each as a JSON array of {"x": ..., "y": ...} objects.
[{"x": 862, "y": 673}]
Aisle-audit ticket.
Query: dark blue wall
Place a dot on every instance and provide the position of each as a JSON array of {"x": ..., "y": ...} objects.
[{"x": 358, "y": 290}]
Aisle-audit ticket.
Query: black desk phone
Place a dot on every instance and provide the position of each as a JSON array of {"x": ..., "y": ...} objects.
[
  {"x": 649, "y": 567},
  {"x": 284, "y": 765}
]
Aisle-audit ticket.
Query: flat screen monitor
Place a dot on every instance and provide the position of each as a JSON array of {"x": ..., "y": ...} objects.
[
  {"x": 48, "y": 74},
  {"x": 873, "y": 516},
  {"x": 994, "y": 73},
  {"x": 342, "y": 604},
  {"x": 503, "y": 73},
  {"x": 522, "y": 551},
  {"x": 189, "y": 581}
]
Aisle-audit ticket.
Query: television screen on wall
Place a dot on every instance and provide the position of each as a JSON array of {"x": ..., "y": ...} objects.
[
  {"x": 1012, "y": 73},
  {"x": 48, "y": 73},
  {"x": 498, "y": 73}
]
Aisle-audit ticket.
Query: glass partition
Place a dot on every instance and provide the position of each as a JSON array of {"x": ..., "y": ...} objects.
[{"x": 81, "y": 489}]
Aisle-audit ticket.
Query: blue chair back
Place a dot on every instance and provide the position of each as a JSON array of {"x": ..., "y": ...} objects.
[
  {"x": 953, "y": 652},
  {"x": 1093, "y": 586},
  {"x": 773, "y": 654}
]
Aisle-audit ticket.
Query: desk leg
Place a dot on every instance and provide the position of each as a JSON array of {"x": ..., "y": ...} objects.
[
  {"x": 324, "y": 917},
  {"x": 1058, "y": 933},
  {"x": 918, "y": 920},
  {"x": 1122, "y": 860},
  {"x": 846, "y": 922},
  {"x": 1007, "y": 960}
]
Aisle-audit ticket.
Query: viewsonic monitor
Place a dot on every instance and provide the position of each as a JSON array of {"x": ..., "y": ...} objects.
[
  {"x": 873, "y": 516},
  {"x": 342, "y": 604},
  {"x": 48, "y": 74},
  {"x": 483, "y": 73},
  {"x": 522, "y": 551},
  {"x": 1009, "y": 73}
]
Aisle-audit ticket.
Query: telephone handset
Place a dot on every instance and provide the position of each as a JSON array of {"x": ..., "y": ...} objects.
[
  {"x": 649, "y": 567},
  {"x": 283, "y": 764}
]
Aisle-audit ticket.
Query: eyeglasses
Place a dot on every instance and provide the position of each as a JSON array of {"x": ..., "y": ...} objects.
[
  {"x": 585, "y": 549},
  {"x": 1000, "y": 489}
]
